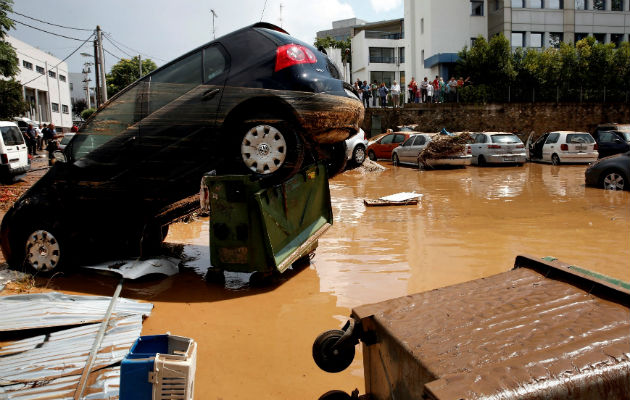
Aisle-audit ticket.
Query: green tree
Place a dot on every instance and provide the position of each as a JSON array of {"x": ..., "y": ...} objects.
[
  {"x": 85, "y": 114},
  {"x": 78, "y": 106},
  {"x": 11, "y": 100},
  {"x": 125, "y": 72},
  {"x": 8, "y": 58},
  {"x": 344, "y": 45}
]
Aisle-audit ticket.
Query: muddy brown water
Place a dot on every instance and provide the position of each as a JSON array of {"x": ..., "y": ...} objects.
[{"x": 470, "y": 223}]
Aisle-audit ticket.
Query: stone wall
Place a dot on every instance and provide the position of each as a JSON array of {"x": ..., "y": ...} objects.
[{"x": 520, "y": 118}]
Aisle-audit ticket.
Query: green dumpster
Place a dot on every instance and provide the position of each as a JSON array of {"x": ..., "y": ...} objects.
[{"x": 254, "y": 228}]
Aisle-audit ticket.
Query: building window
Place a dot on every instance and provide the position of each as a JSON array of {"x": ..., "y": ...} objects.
[
  {"x": 599, "y": 5},
  {"x": 64, "y": 109},
  {"x": 535, "y": 40},
  {"x": 62, "y": 78},
  {"x": 27, "y": 65},
  {"x": 580, "y": 4},
  {"x": 535, "y": 4},
  {"x": 55, "y": 107},
  {"x": 497, "y": 5},
  {"x": 386, "y": 77},
  {"x": 421, "y": 25},
  {"x": 40, "y": 69},
  {"x": 554, "y": 4},
  {"x": 580, "y": 36},
  {"x": 617, "y": 5},
  {"x": 52, "y": 74},
  {"x": 518, "y": 4},
  {"x": 382, "y": 55},
  {"x": 600, "y": 37},
  {"x": 71, "y": 87},
  {"x": 473, "y": 40},
  {"x": 517, "y": 39},
  {"x": 616, "y": 38},
  {"x": 476, "y": 8},
  {"x": 555, "y": 38},
  {"x": 422, "y": 58},
  {"x": 401, "y": 55}
]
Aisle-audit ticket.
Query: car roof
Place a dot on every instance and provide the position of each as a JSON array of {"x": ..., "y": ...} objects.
[
  {"x": 567, "y": 132},
  {"x": 8, "y": 123},
  {"x": 494, "y": 133}
]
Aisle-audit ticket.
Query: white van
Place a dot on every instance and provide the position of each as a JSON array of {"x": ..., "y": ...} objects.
[{"x": 13, "y": 152}]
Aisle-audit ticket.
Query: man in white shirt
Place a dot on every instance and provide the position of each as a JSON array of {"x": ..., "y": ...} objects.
[
  {"x": 423, "y": 89},
  {"x": 395, "y": 90}
]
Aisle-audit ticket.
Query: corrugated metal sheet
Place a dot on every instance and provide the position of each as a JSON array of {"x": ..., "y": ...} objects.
[
  {"x": 541, "y": 331},
  {"x": 57, "y": 309},
  {"x": 49, "y": 365}
]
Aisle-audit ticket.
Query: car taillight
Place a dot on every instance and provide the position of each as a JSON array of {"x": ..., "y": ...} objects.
[
  {"x": 293, "y": 54},
  {"x": 520, "y": 146},
  {"x": 5, "y": 159},
  {"x": 468, "y": 149},
  {"x": 494, "y": 146},
  {"x": 595, "y": 146},
  {"x": 564, "y": 147}
]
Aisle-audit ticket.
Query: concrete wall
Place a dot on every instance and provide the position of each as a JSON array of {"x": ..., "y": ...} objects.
[{"x": 521, "y": 118}]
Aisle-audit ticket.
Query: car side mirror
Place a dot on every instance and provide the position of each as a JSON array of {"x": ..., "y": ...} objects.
[{"x": 58, "y": 156}]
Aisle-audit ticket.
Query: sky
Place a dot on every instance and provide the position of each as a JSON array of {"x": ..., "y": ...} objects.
[{"x": 164, "y": 29}]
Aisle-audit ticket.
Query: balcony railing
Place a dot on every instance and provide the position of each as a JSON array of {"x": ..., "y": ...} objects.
[{"x": 383, "y": 35}]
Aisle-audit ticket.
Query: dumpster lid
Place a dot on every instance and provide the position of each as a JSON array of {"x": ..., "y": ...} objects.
[{"x": 545, "y": 328}]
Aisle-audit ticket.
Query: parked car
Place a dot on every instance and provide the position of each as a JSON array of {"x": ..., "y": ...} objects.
[
  {"x": 356, "y": 147},
  {"x": 562, "y": 147},
  {"x": 253, "y": 102},
  {"x": 610, "y": 173},
  {"x": 612, "y": 139},
  {"x": 383, "y": 147},
  {"x": 13, "y": 152},
  {"x": 65, "y": 140},
  {"x": 23, "y": 122},
  {"x": 497, "y": 148},
  {"x": 408, "y": 152}
]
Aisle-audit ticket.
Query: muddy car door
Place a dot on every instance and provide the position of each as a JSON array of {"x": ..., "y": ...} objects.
[{"x": 178, "y": 140}]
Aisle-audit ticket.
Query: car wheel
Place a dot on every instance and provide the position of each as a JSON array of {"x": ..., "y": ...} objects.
[
  {"x": 43, "y": 249},
  {"x": 613, "y": 180},
  {"x": 371, "y": 155},
  {"x": 335, "y": 156},
  {"x": 395, "y": 160},
  {"x": 270, "y": 148},
  {"x": 481, "y": 161},
  {"x": 358, "y": 155},
  {"x": 555, "y": 160}
]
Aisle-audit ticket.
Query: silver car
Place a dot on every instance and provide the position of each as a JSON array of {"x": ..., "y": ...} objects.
[
  {"x": 355, "y": 148},
  {"x": 498, "y": 148},
  {"x": 407, "y": 153}
]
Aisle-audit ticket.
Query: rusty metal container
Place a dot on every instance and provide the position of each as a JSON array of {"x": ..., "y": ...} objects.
[{"x": 544, "y": 330}]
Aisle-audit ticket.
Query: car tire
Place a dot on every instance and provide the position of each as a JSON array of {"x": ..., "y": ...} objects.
[
  {"x": 481, "y": 161},
  {"x": 395, "y": 160},
  {"x": 41, "y": 249},
  {"x": 358, "y": 155},
  {"x": 335, "y": 158},
  {"x": 555, "y": 160},
  {"x": 613, "y": 179},
  {"x": 371, "y": 155},
  {"x": 270, "y": 148}
]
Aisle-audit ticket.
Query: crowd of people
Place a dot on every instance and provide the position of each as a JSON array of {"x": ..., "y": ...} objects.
[{"x": 425, "y": 91}]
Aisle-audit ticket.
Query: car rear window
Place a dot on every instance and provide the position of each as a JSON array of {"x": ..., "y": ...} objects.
[
  {"x": 580, "y": 138},
  {"x": 508, "y": 138},
  {"x": 387, "y": 139},
  {"x": 11, "y": 136}
]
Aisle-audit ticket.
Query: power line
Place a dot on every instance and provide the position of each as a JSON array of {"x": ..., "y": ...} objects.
[
  {"x": 112, "y": 40},
  {"x": 111, "y": 54},
  {"x": 50, "y": 23},
  {"x": 43, "y": 30},
  {"x": 68, "y": 56},
  {"x": 114, "y": 44},
  {"x": 263, "y": 10}
]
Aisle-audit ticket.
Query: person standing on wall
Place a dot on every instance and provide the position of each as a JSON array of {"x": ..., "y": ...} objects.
[
  {"x": 367, "y": 92},
  {"x": 423, "y": 90},
  {"x": 382, "y": 93},
  {"x": 413, "y": 86},
  {"x": 395, "y": 94},
  {"x": 436, "y": 88},
  {"x": 374, "y": 88}
]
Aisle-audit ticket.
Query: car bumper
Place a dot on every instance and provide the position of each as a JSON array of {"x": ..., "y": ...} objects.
[
  {"x": 506, "y": 158},
  {"x": 578, "y": 157},
  {"x": 330, "y": 118},
  {"x": 450, "y": 161}
]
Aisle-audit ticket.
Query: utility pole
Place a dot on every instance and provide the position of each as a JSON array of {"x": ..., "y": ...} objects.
[
  {"x": 86, "y": 79},
  {"x": 280, "y": 15},
  {"x": 99, "y": 37},
  {"x": 97, "y": 74},
  {"x": 214, "y": 15}
]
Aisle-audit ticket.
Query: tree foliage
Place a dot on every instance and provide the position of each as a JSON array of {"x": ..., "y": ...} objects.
[
  {"x": 328, "y": 41},
  {"x": 11, "y": 96},
  {"x": 78, "y": 106},
  {"x": 571, "y": 71},
  {"x": 85, "y": 114},
  {"x": 125, "y": 72},
  {"x": 11, "y": 100}
]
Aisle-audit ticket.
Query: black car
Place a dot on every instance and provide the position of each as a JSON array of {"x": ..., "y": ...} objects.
[
  {"x": 610, "y": 173},
  {"x": 255, "y": 101},
  {"x": 612, "y": 139}
]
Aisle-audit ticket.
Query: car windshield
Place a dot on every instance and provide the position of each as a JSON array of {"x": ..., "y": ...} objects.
[
  {"x": 406, "y": 129},
  {"x": 507, "y": 138},
  {"x": 66, "y": 139},
  {"x": 11, "y": 136},
  {"x": 580, "y": 138}
]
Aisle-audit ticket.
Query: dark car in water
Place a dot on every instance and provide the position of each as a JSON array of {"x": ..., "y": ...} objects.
[
  {"x": 610, "y": 173},
  {"x": 256, "y": 101},
  {"x": 612, "y": 139}
]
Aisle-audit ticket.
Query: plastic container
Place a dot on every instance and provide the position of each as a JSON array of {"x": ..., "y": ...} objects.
[{"x": 159, "y": 367}]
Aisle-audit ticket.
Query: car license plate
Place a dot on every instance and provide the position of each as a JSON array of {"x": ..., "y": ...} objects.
[
  {"x": 580, "y": 147},
  {"x": 508, "y": 158}
]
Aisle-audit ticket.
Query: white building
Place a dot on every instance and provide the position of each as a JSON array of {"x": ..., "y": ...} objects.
[
  {"x": 45, "y": 81},
  {"x": 378, "y": 52}
]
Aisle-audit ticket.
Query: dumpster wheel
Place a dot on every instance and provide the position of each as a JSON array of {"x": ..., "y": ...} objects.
[{"x": 328, "y": 356}]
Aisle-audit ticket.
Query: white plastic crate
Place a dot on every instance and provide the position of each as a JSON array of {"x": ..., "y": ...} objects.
[{"x": 173, "y": 374}]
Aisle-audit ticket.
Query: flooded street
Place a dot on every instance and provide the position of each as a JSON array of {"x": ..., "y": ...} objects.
[{"x": 470, "y": 223}]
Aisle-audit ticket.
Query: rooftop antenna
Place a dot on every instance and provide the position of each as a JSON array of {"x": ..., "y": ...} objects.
[
  {"x": 281, "y": 15},
  {"x": 214, "y": 15}
]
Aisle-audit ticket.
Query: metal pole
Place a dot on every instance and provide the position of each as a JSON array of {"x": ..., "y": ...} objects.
[
  {"x": 97, "y": 74},
  {"x": 509, "y": 94},
  {"x": 214, "y": 15},
  {"x": 102, "y": 59},
  {"x": 557, "y": 94},
  {"x": 604, "y": 94}
]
